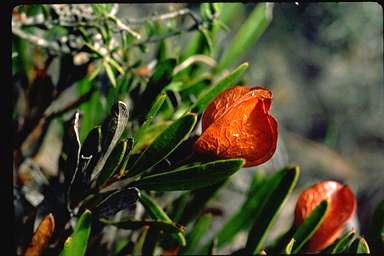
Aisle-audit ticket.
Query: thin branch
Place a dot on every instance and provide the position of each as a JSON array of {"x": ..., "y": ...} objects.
[
  {"x": 36, "y": 39},
  {"x": 165, "y": 16},
  {"x": 193, "y": 59}
]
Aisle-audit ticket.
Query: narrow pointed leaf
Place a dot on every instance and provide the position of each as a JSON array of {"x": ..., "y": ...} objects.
[
  {"x": 243, "y": 218},
  {"x": 149, "y": 117},
  {"x": 164, "y": 144},
  {"x": 160, "y": 78},
  {"x": 150, "y": 242},
  {"x": 223, "y": 84},
  {"x": 306, "y": 230},
  {"x": 376, "y": 227},
  {"x": 199, "y": 199},
  {"x": 77, "y": 243},
  {"x": 359, "y": 246},
  {"x": 342, "y": 244},
  {"x": 247, "y": 35},
  {"x": 123, "y": 164},
  {"x": 190, "y": 177},
  {"x": 90, "y": 149},
  {"x": 280, "y": 189},
  {"x": 112, "y": 163},
  {"x": 69, "y": 158},
  {"x": 110, "y": 73},
  {"x": 117, "y": 201},
  {"x": 288, "y": 248},
  {"x": 200, "y": 228},
  {"x": 137, "y": 224},
  {"x": 112, "y": 129},
  {"x": 155, "y": 211}
]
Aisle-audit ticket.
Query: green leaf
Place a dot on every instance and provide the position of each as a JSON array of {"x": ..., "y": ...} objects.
[
  {"x": 164, "y": 144},
  {"x": 222, "y": 85},
  {"x": 198, "y": 200},
  {"x": 76, "y": 244},
  {"x": 375, "y": 232},
  {"x": 306, "y": 230},
  {"x": 282, "y": 185},
  {"x": 200, "y": 228},
  {"x": 150, "y": 242},
  {"x": 157, "y": 213},
  {"x": 112, "y": 129},
  {"x": 288, "y": 248},
  {"x": 247, "y": 35},
  {"x": 376, "y": 226},
  {"x": 188, "y": 178},
  {"x": 342, "y": 244},
  {"x": 116, "y": 201},
  {"x": 69, "y": 158},
  {"x": 207, "y": 38},
  {"x": 243, "y": 218},
  {"x": 112, "y": 163},
  {"x": 131, "y": 224},
  {"x": 160, "y": 78},
  {"x": 359, "y": 246},
  {"x": 149, "y": 117},
  {"x": 110, "y": 73}
]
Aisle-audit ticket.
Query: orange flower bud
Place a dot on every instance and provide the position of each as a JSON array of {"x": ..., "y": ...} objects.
[
  {"x": 342, "y": 205},
  {"x": 237, "y": 123}
]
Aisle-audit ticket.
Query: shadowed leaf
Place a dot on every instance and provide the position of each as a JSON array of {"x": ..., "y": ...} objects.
[
  {"x": 155, "y": 211},
  {"x": 160, "y": 78},
  {"x": 200, "y": 228},
  {"x": 164, "y": 144},
  {"x": 112, "y": 163},
  {"x": 112, "y": 129},
  {"x": 306, "y": 230},
  {"x": 281, "y": 186},
  {"x": 117, "y": 201},
  {"x": 137, "y": 224},
  {"x": 188, "y": 178}
]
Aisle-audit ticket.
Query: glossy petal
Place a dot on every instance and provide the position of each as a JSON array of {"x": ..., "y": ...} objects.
[
  {"x": 342, "y": 206},
  {"x": 238, "y": 124}
]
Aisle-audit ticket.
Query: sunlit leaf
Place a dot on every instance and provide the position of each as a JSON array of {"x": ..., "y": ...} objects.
[
  {"x": 77, "y": 243},
  {"x": 223, "y": 84},
  {"x": 247, "y": 35},
  {"x": 359, "y": 245},
  {"x": 149, "y": 117}
]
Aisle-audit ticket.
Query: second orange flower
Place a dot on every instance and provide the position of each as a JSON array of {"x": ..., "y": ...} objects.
[{"x": 237, "y": 123}]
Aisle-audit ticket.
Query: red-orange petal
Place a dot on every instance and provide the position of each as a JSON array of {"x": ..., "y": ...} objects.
[
  {"x": 238, "y": 124},
  {"x": 342, "y": 204}
]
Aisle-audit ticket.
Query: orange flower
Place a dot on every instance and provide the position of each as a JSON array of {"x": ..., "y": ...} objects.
[
  {"x": 237, "y": 123},
  {"x": 342, "y": 204}
]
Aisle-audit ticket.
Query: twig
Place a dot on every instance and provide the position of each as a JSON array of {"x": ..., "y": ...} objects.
[
  {"x": 166, "y": 16},
  {"x": 35, "y": 39},
  {"x": 195, "y": 58},
  {"x": 122, "y": 26}
]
